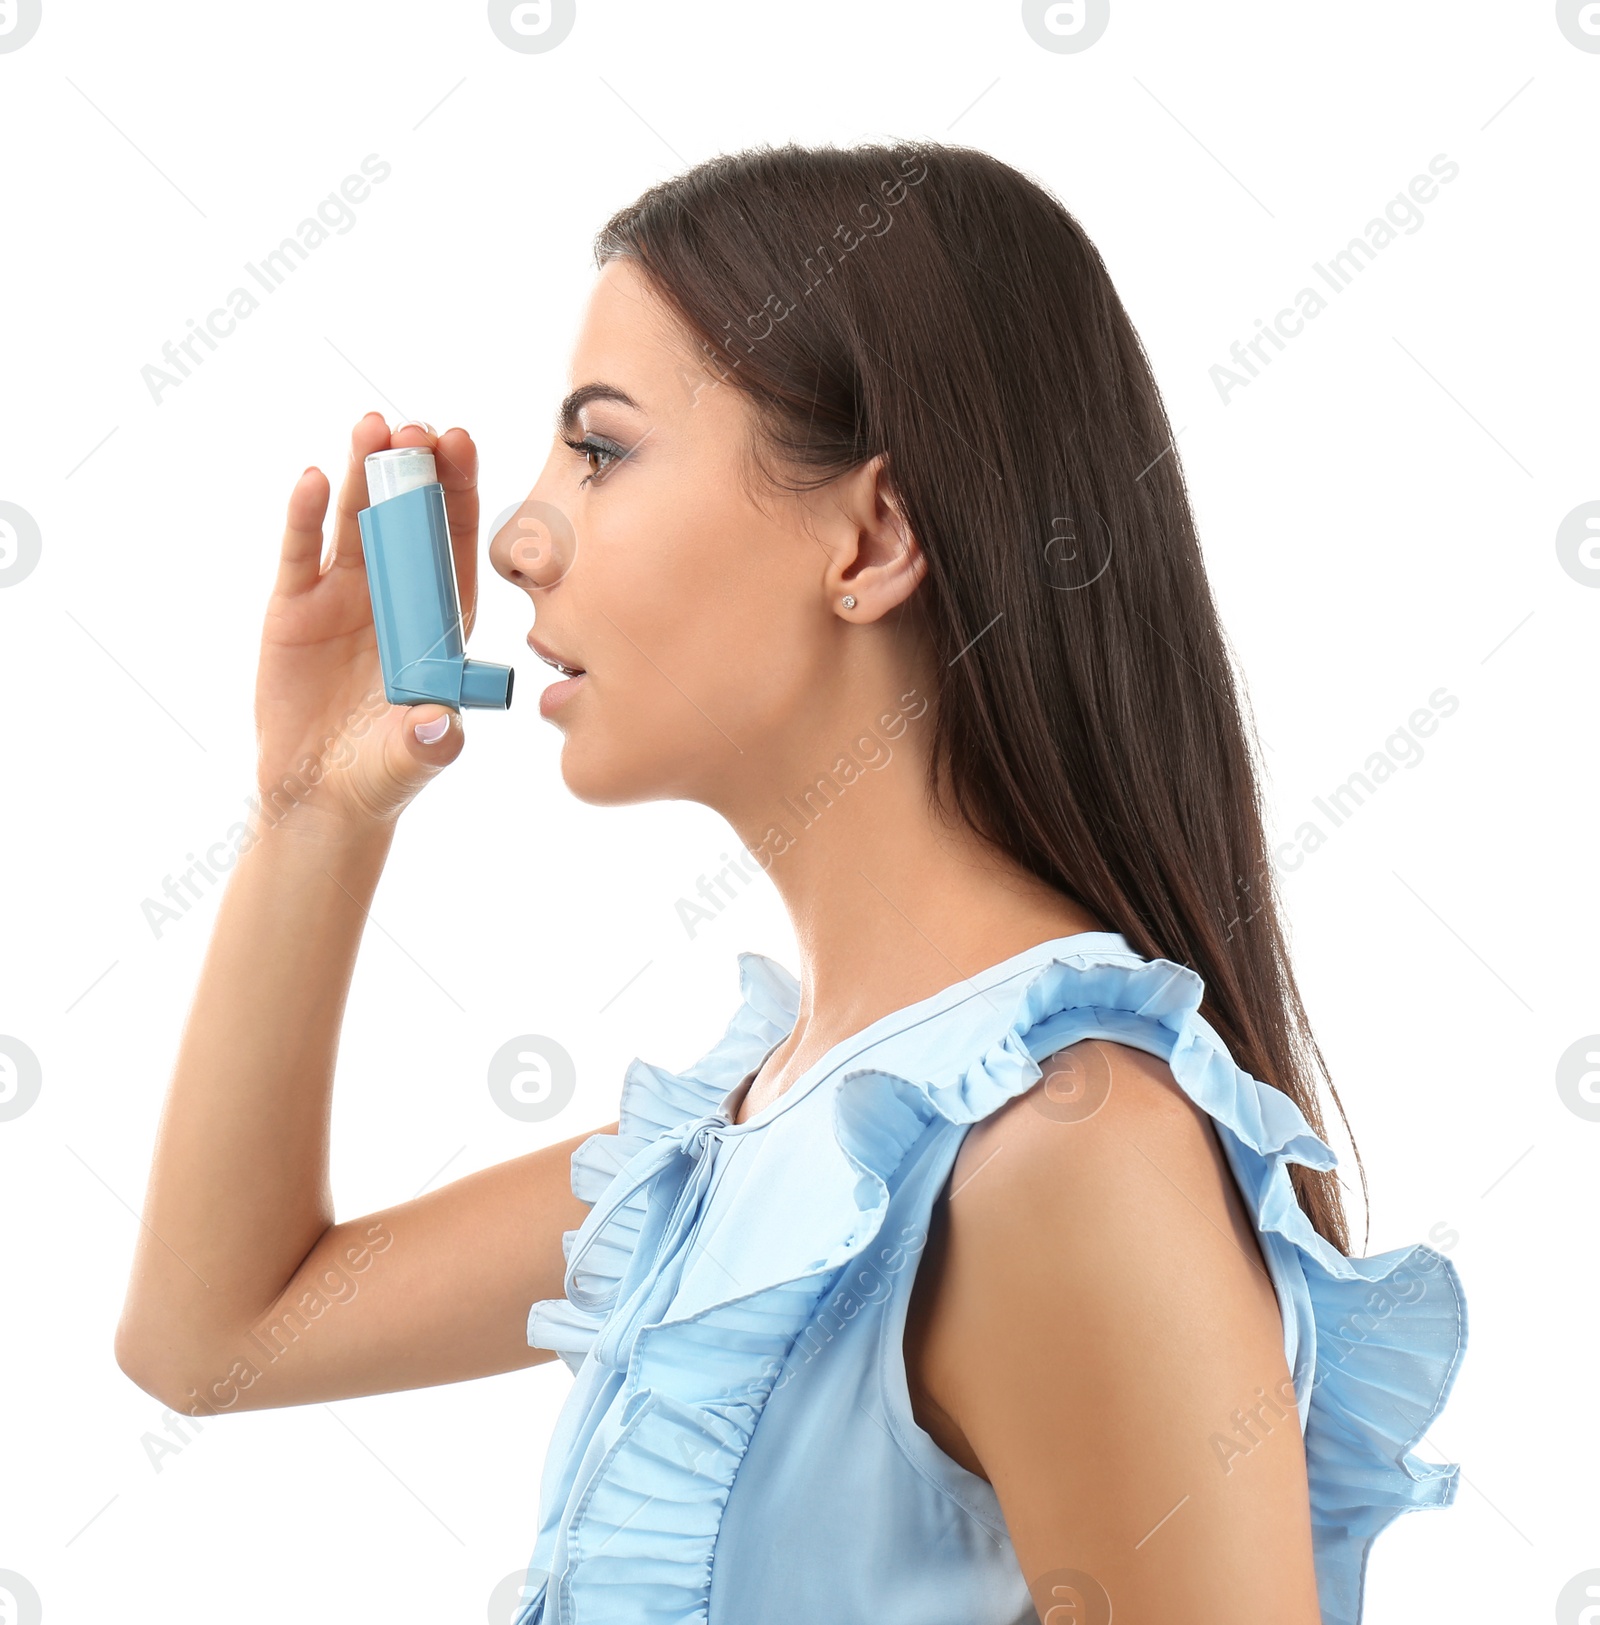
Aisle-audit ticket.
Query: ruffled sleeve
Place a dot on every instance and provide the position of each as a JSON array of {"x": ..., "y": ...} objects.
[
  {"x": 1374, "y": 1344},
  {"x": 654, "y": 1102}
]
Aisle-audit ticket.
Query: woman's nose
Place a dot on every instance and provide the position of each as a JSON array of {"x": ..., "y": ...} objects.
[{"x": 536, "y": 546}]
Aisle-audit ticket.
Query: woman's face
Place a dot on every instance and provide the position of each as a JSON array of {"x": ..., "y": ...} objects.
[{"x": 720, "y": 665}]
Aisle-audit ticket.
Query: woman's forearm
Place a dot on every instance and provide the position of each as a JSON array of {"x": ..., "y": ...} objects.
[{"x": 239, "y": 1188}]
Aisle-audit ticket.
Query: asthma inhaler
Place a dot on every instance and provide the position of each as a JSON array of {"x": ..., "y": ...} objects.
[{"x": 411, "y": 575}]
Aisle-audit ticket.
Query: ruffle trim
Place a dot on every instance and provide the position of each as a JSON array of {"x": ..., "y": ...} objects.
[
  {"x": 1373, "y": 1363},
  {"x": 1387, "y": 1332},
  {"x": 653, "y": 1102}
]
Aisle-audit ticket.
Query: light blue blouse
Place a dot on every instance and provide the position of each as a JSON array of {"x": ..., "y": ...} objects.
[{"x": 738, "y": 1446}]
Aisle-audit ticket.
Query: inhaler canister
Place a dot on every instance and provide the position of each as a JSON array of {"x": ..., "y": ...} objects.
[{"x": 416, "y": 611}]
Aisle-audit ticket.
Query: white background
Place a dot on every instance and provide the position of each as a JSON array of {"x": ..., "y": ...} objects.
[{"x": 1378, "y": 511}]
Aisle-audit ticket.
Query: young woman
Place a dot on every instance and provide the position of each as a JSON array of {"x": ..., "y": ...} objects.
[{"x": 995, "y": 1267}]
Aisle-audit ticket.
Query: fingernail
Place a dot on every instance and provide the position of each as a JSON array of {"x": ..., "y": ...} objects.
[
  {"x": 415, "y": 423},
  {"x": 428, "y": 732}
]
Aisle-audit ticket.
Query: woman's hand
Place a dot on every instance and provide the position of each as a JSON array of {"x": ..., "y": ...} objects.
[
  {"x": 238, "y": 1225},
  {"x": 332, "y": 752}
]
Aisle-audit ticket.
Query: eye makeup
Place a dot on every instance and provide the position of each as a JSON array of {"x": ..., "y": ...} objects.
[{"x": 596, "y": 446}]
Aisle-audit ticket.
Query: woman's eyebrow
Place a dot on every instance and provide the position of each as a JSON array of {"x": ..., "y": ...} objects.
[{"x": 566, "y": 415}]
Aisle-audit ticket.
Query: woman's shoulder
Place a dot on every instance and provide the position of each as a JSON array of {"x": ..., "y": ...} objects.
[
  {"x": 1100, "y": 1115},
  {"x": 1125, "y": 1262},
  {"x": 1097, "y": 1311},
  {"x": 1097, "y": 1201}
]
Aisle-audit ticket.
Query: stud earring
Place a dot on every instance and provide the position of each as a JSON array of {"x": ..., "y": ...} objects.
[{"x": 849, "y": 600}]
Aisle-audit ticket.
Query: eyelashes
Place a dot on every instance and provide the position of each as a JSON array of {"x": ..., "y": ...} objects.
[{"x": 590, "y": 446}]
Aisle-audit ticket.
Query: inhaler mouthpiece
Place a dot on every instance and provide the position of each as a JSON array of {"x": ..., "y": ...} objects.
[{"x": 416, "y": 611}]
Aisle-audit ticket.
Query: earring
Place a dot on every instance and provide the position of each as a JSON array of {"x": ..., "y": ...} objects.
[{"x": 849, "y": 600}]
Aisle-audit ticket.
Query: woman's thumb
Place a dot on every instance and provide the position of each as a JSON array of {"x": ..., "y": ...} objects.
[{"x": 433, "y": 735}]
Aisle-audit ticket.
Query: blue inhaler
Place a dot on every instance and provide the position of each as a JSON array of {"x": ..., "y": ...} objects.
[{"x": 411, "y": 575}]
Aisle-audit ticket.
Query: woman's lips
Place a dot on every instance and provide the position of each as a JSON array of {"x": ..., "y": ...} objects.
[
  {"x": 560, "y": 692},
  {"x": 551, "y": 658}
]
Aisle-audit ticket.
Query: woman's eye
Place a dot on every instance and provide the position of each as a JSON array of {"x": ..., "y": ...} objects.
[{"x": 592, "y": 448}]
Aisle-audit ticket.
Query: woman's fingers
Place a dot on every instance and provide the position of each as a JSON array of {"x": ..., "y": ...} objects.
[
  {"x": 456, "y": 458},
  {"x": 369, "y": 435},
  {"x": 456, "y": 462},
  {"x": 300, "y": 562}
]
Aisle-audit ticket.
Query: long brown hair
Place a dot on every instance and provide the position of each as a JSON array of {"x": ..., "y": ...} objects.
[{"x": 931, "y": 303}]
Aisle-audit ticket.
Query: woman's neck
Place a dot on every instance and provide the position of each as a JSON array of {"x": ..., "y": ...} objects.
[{"x": 891, "y": 922}]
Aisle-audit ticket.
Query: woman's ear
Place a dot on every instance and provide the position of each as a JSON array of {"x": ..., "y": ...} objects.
[{"x": 881, "y": 561}]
